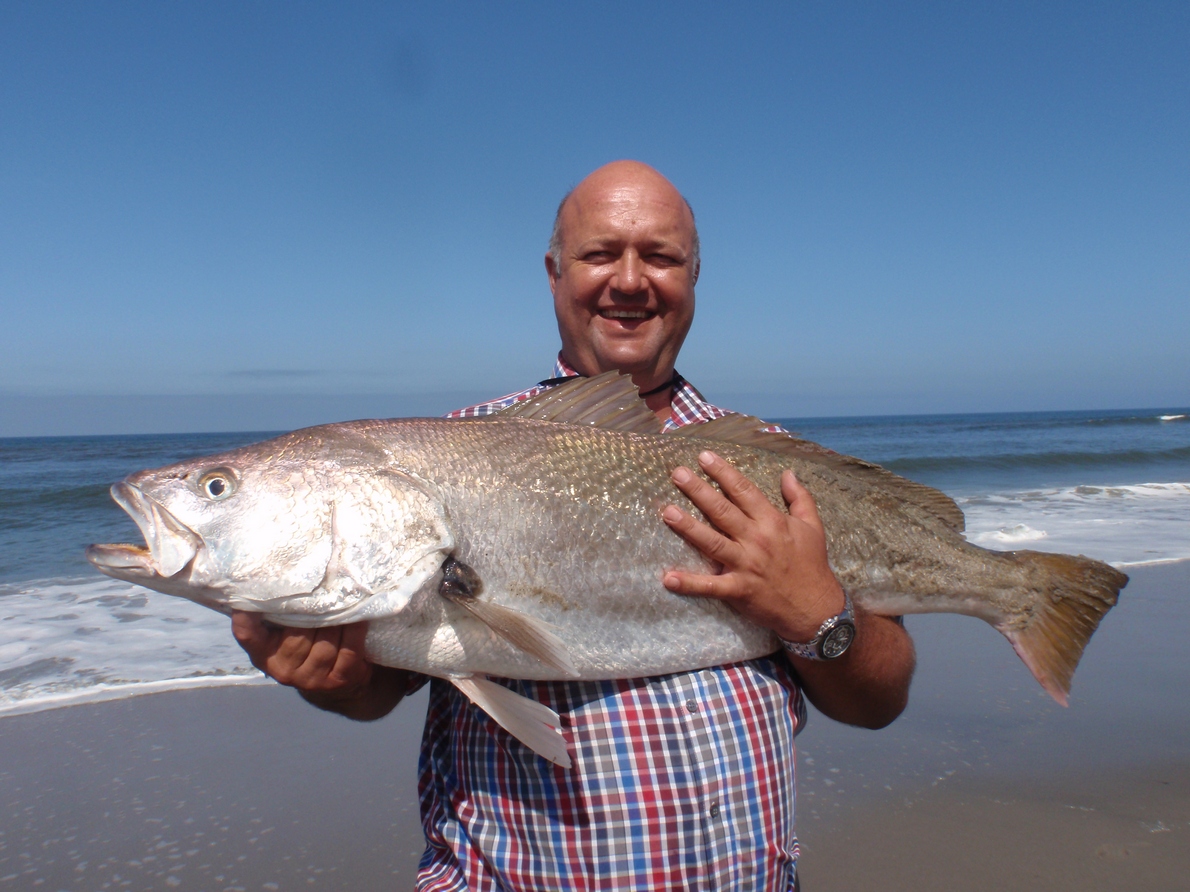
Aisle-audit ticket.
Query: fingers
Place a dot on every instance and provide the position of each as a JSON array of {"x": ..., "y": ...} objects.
[
  {"x": 250, "y": 631},
  {"x": 351, "y": 666},
  {"x": 801, "y": 503},
  {"x": 713, "y": 544},
  {"x": 743, "y": 493},
  {"x": 309, "y": 655},
  {"x": 731, "y": 508},
  {"x": 699, "y": 585},
  {"x": 325, "y": 660},
  {"x": 258, "y": 638}
]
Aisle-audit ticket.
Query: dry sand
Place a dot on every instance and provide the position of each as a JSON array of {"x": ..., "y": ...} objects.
[{"x": 982, "y": 784}]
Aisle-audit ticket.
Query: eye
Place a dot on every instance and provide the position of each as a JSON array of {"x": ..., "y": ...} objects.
[{"x": 217, "y": 484}]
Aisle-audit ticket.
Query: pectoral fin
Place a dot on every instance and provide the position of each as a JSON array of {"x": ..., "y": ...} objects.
[
  {"x": 461, "y": 585},
  {"x": 533, "y": 724}
]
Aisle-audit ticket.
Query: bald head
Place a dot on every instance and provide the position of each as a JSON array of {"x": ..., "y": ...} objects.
[{"x": 619, "y": 175}]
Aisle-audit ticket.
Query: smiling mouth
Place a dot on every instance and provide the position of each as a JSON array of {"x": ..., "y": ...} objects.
[{"x": 627, "y": 314}]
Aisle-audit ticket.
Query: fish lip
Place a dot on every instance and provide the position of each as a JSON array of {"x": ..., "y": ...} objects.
[
  {"x": 170, "y": 545},
  {"x": 122, "y": 560}
]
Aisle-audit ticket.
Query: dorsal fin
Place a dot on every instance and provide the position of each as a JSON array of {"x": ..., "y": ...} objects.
[
  {"x": 610, "y": 401},
  {"x": 744, "y": 430}
]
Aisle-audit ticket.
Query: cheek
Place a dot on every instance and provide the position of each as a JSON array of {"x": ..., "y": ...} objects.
[
  {"x": 277, "y": 542},
  {"x": 581, "y": 289},
  {"x": 676, "y": 293}
]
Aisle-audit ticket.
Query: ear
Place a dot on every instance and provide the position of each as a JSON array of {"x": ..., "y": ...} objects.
[
  {"x": 697, "y": 270},
  {"x": 552, "y": 272}
]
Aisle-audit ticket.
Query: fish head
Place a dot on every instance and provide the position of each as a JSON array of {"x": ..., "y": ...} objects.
[{"x": 302, "y": 532}]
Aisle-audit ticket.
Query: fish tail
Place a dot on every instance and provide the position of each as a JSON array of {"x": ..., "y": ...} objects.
[{"x": 1075, "y": 594}]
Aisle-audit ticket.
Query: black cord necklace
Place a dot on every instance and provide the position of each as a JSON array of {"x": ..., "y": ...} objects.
[{"x": 672, "y": 382}]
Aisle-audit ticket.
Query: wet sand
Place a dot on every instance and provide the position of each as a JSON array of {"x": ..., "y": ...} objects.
[
  {"x": 983, "y": 784},
  {"x": 243, "y": 788}
]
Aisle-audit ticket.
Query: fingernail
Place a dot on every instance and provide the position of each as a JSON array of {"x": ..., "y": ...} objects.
[
  {"x": 670, "y": 581},
  {"x": 681, "y": 476},
  {"x": 706, "y": 458},
  {"x": 671, "y": 514}
]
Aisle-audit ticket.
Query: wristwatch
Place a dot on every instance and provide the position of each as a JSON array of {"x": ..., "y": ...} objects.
[{"x": 832, "y": 640}]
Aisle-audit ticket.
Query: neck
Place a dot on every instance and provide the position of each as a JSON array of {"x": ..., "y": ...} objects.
[
  {"x": 659, "y": 395},
  {"x": 659, "y": 403}
]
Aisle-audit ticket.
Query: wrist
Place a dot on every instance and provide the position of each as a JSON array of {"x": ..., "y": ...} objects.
[
  {"x": 832, "y": 638},
  {"x": 802, "y": 624}
]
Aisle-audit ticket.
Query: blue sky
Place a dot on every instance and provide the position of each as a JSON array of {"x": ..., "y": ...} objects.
[{"x": 259, "y": 216}]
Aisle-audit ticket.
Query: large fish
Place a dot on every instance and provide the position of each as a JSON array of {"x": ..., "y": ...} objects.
[{"x": 530, "y": 544}]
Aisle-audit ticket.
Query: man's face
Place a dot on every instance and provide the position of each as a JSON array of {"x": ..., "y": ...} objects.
[{"x": 624, "y": 290}]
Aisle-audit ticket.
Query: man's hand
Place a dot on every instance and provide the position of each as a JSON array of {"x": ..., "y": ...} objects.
[
  {"x": 774, "y": 564},
  {"x": 775, "y": 572},
  {"x": 327, "y": 666}
]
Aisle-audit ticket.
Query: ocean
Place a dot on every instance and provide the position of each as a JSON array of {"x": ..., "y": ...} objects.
[{"x": 1111, "y": 485}]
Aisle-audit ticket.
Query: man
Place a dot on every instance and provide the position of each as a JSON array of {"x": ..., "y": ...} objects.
[{"x": 681, "y": 781}]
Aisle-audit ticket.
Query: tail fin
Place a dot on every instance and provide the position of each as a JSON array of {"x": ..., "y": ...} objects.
[{"x": 1077, "y": 593}]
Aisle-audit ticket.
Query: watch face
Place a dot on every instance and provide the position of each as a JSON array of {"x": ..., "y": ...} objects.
[{"x": 837, "y": 640}]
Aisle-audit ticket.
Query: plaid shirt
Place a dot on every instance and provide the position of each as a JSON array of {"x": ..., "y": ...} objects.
[{"x": 682, "y": 781}]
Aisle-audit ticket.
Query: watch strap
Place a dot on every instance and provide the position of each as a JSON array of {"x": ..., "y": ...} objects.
[{"x": 813, "y": 649}]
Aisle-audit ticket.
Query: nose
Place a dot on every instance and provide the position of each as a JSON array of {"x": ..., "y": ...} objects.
[{"x": 630, "y": 274}]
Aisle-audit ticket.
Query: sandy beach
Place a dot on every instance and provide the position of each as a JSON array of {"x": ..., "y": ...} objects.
[{"x": 984, "y": 783}]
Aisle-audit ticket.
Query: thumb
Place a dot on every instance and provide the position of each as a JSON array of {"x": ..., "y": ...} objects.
[
  {"x": 251, "y": 633},
  {"x": 801, "y": 503}
]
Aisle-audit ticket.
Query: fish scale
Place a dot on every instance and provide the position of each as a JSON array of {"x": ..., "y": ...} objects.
[{"x": 597, "y": 580}]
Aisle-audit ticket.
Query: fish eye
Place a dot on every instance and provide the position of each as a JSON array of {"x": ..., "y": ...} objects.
[{"x": 217, "y": 484}]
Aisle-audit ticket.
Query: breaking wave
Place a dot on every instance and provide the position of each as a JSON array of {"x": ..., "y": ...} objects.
[
  {"x": 72, "y": 640},
  {"x": 1136, "y": 524}
]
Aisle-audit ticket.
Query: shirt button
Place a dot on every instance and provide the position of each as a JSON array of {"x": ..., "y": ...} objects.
[
  {"x": 714, "y": 809},
  {"x": 692, "y": 705}
]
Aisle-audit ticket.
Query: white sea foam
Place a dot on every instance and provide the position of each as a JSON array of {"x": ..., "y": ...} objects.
[
  {"x": 66, "y": 641},
  {"x": 1171, "y": 417},
  {"x": 1136, "y": 524},
  {"x": 1013, "y": 535}
]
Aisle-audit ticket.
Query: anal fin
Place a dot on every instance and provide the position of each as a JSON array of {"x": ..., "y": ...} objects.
[{"x": 533, "y": 724}]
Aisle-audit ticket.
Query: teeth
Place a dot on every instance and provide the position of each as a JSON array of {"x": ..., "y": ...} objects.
[{"x": 625, "y": 314}]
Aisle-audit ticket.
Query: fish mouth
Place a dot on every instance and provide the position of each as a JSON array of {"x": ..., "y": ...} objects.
[{"x": 170, "y": 545}]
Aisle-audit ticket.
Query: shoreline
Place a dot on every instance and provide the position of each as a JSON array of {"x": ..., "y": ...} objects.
[
  {"x": 104, "y": 693},
  {"x": 1159, "y": 562}
]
